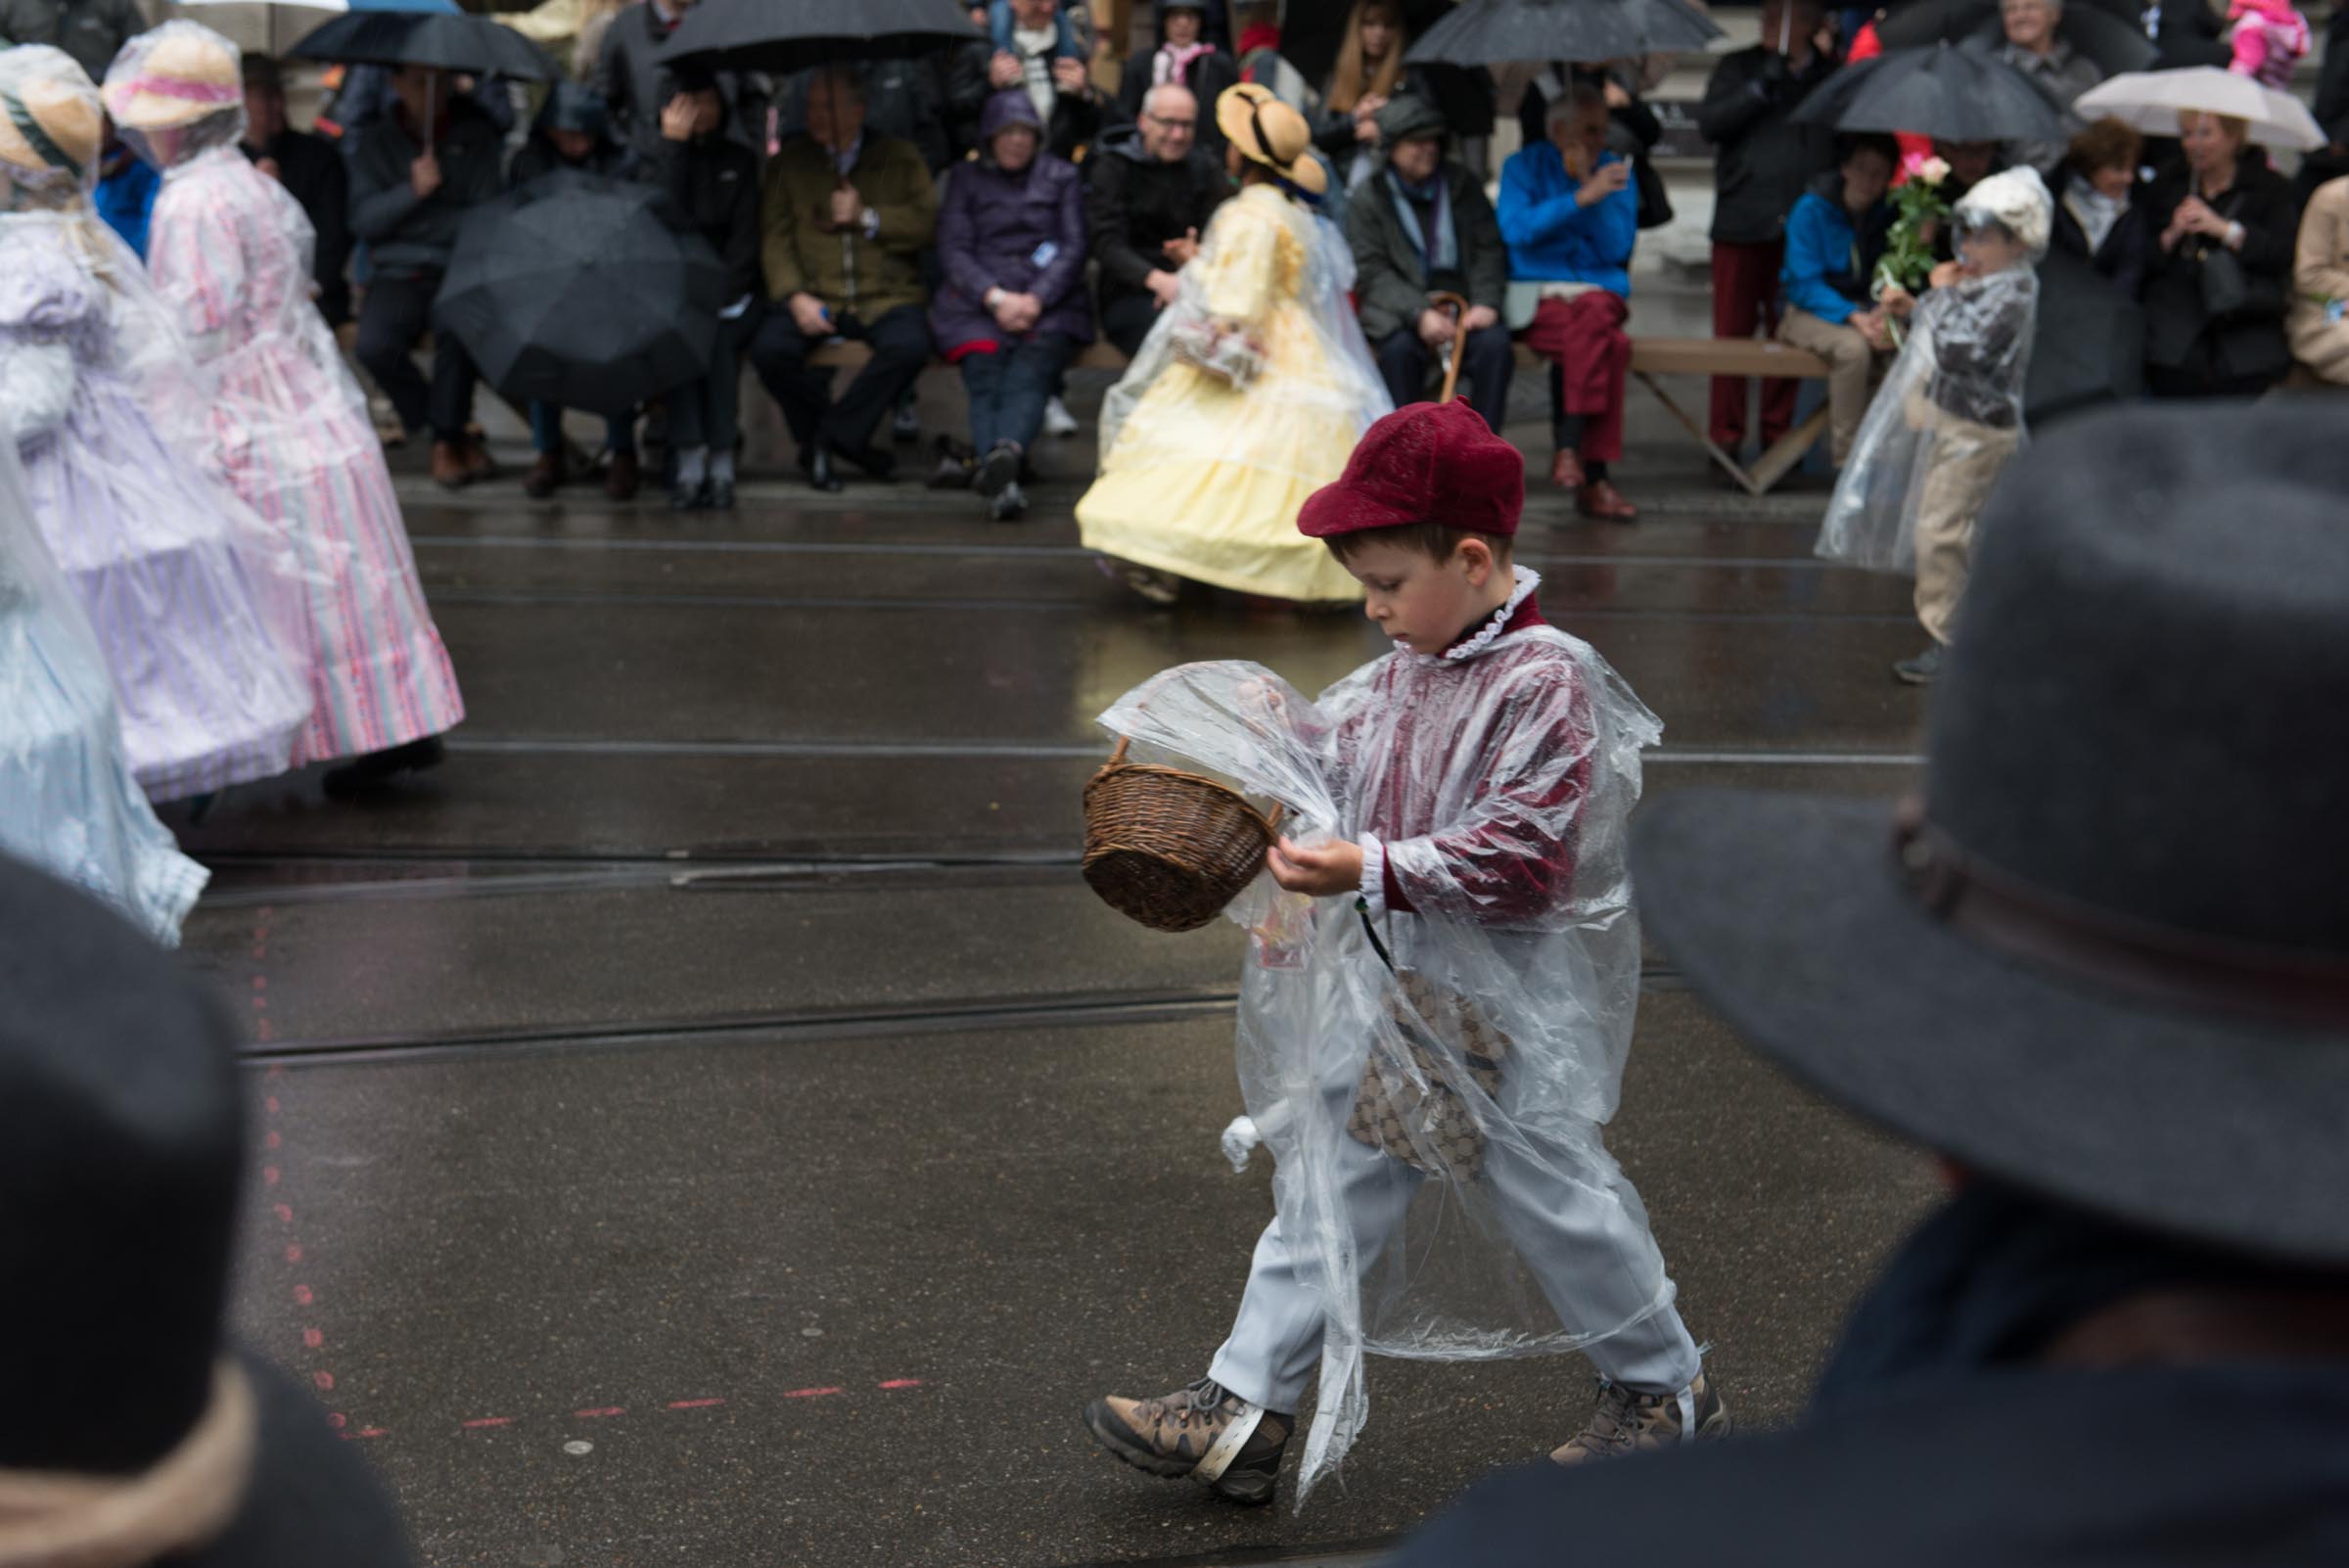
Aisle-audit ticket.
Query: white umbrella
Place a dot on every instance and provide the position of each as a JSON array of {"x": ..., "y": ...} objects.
[
  {"x": 2149, "y": 100},
  {"x": 259, "y": 26}
]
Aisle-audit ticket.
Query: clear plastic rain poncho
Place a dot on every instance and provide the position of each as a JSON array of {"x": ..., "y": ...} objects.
[
  {"x": 68, "y": 802},
  {"x": 196, "y": 602},
  {"x": 1951, "y": 410},
  {"x": 1430, "y": 1111},
  {"x": 1246, "y": 398},
  {"x": 229, "y": 252}
]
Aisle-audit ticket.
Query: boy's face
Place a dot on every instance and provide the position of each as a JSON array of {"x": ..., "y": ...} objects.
[
  {"x": 1989, "y": 249},
  {"x": 1422, "y": 603}
]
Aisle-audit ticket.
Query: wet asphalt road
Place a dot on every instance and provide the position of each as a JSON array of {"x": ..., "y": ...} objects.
[{"x": 708, "y": 1121}]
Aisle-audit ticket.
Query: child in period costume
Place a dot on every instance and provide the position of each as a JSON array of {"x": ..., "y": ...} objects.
[
  {"x": 1438, "y": 994},
  {"x": 229, "y": 251},
  {"x": 68, "y": 802},
  {"x": 192, "y": 596},
  {"x": 2268, "y": 40},
  {"x": 1248, "y": 394},
  {"x": 1951, "y": 413}
]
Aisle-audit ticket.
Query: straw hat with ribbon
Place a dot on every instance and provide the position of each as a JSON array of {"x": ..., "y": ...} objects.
[
  {"x": 175, "y": 75},
  {"x": 49, "y": 114},
  {"x": 1270, "y": 132}
]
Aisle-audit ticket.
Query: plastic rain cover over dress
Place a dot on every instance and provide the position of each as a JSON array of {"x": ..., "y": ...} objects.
[
  {"x": 68, "y": 802},
  {"x": 1967, "y": 356},
  {"x": 1202, "y": 472},
  {"x": 195, "y": 600},
  {"x": 229, "y": 251},
  {"x": 1424, "y": 1119}
]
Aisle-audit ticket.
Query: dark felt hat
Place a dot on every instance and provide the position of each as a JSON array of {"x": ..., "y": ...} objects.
[
  {"x": 2106, "y": 954},
  {"x": 121, "y": 1144},
  {"x": 1423, "y": 463},
  {"x": 1408, "y": 114}
]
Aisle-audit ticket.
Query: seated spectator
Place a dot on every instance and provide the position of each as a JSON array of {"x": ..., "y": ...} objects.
[
  {"x": 573, "y": 134},
  {"x": 2097, "y": 216},
  {"x": 1570, "y": 212},
  {"x": 1035, "y": 48},
  {"x": 636, "y": 85},
  {"x": 712, "y": 181},
  {"x": 1425, "y": 226},
  {"x": 310, "y": 169},
  {"x": 1012, "y": 307},
  {"x": 2318, "y": 325},
  {"x": 1149, "y": 192},
  {"x": 125, "y": 193},
  {"x": 2061, "y": 72},
  {"x": 407, "y": 203},
  {"x": 843, "y": 218},
  {"x": 1765, "y": 160},
  {"x": 1369, "y": 71},
  {"x": 904, "y": 99},
  {"x": 2225, "y": 201},
  {"x": 1833, "y": 239},
  {"x": 1187, "y": 55}
]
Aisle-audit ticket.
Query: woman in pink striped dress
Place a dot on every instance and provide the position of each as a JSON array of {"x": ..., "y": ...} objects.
[{"x": 230, "y": 249}]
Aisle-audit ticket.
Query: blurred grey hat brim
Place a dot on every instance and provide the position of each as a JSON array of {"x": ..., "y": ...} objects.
[{"x": 1788, "y": 916}]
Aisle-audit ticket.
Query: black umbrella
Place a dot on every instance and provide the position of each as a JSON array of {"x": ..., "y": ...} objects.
[
  {"x": 2115, "y": 42},
  {"x": 2090, "y": 348},
  {"x": 576, "y": 288},
  {"x": 1954, "y": 95},
  {"x": 448, "y": 40},
  {"x": 1499, "y": 33},
  {"x": 787, "y": 35}
]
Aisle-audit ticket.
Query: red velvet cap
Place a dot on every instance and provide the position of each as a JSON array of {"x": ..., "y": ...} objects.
[{"x": 1423, "y": 463}]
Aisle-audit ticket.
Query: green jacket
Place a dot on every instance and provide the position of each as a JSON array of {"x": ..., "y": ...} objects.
[
  {"x": 1391, "y": 282},
  {"x": 850, "y": 273}
]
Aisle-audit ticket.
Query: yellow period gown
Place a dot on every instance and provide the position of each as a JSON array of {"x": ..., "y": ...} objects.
[{"x": 1201, "y": 478}]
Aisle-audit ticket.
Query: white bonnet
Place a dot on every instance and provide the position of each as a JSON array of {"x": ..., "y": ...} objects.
[{"x": 2017, "y": 200}]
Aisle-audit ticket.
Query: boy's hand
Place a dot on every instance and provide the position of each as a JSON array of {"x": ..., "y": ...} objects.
[{"x": 1323, "y": 871}]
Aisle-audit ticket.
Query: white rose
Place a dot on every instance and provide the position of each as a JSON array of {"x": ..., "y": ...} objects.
[{"x": 1934, "y": 170}]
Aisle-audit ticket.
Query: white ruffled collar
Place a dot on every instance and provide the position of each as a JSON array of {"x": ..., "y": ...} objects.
[{"x": 1527, "y": 580}]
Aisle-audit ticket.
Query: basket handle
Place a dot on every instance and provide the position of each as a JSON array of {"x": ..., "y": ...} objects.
[{"x": 1117, "y": 758}]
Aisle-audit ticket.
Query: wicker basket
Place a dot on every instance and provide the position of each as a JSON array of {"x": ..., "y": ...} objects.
[{"x": 1166, "y": 848}]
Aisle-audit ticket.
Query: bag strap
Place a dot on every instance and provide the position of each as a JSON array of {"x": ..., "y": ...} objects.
[{"x": 1361, "y": 907}]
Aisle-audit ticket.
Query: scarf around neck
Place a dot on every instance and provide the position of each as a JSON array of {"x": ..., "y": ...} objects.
[{"x": 1442, "y": 253}]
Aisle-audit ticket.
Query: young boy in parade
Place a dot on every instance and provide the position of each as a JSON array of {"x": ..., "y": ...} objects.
[
  {"x": 1439, "y": 993},
  {"x": 1951, "y": 413}
]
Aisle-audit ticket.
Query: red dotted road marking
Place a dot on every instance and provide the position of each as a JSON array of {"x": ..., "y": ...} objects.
[{"x": 693, "y": 1405}]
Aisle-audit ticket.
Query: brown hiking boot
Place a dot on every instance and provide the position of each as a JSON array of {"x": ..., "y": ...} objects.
[
  {"x": 448, "y": 466},
  {"x": 1626, "y": 1422},
  {"x": 1220, "y": 1441}
]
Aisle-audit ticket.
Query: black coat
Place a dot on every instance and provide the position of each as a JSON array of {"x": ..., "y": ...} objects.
[
  {"x": 1075, "y": 120},
  {"x": 713, "y": 182},
  {"x": 406, "y": 236},
  {"x": 1135, "y": 205},
  {"x": 2333, "y": 82},
  {"x": 1763, "y": 162},
  {"x": 1391, "y": 278},
  {"x": 2128, "y": 249},
  {"x": 312, "y": 170},
  {"x": 2180, "y": 336}
]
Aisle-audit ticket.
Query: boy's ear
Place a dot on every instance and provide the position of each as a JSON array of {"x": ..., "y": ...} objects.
[{"x": 1477, "y": 556}]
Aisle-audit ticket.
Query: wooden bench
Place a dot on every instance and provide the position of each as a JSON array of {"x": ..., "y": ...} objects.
[{"x": 1651, "y": 357}]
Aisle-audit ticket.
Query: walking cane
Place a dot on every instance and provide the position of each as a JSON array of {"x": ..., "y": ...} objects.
[{"x": 1458, "y": 308}]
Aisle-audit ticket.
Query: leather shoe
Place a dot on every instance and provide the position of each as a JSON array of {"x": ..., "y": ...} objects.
[
  {"x": 819, "y": 469},
  {"x": 1602, "y": 500},
  {"x": 876, "y": 463},
  {"x": 478, "y": 463},
  {"x": 544, "y": 477},
  {"x": 621, "y": 477},
  {"x": 448, "y": 466},
  {"x": 1566, "y": 470}
]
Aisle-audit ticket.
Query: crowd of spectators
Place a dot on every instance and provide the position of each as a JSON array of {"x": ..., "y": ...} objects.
[{"x": 998, "y": 207}]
